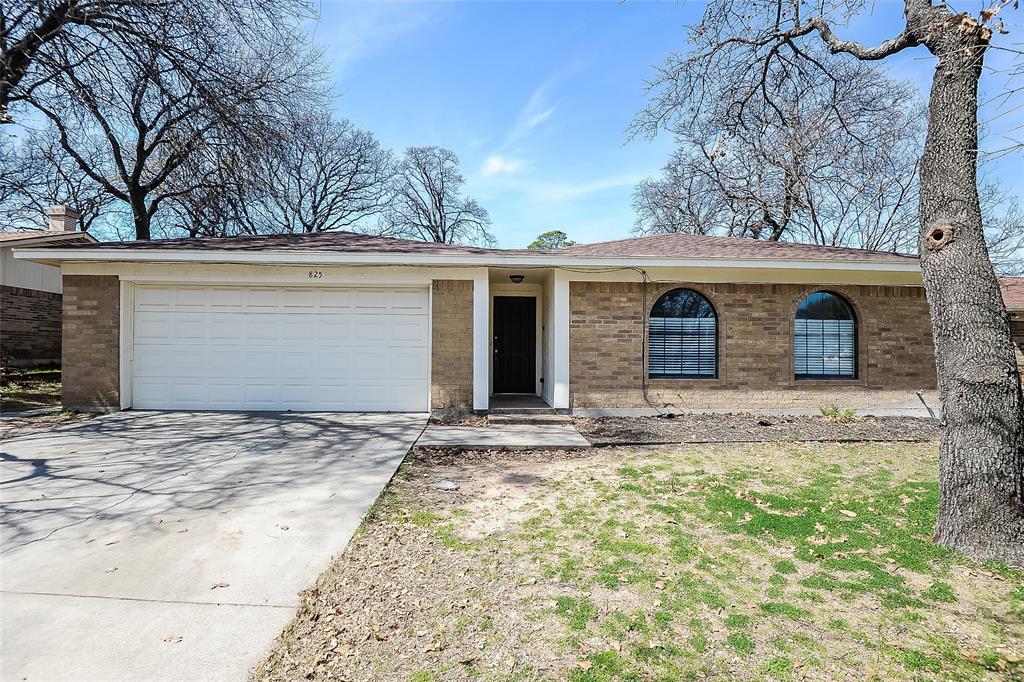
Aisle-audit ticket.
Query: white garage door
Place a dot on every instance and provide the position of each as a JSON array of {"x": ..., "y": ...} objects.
[{"x": 272, "y": 348}]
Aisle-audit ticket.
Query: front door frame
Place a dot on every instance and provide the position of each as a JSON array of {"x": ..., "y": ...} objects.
[{"x": 523, "y": 291}]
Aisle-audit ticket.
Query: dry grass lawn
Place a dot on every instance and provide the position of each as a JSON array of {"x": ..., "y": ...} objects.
[{"x": 753, "y": 561}]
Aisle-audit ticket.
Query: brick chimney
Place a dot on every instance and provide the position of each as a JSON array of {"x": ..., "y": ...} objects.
[{"x": 62, "y": 218}]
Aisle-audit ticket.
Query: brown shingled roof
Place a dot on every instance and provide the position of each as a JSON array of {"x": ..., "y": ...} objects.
[
  {"x": 703, "y": 246},
  {"x": 342, "y": 242},
  {"x": 1013, "y": 292},
  {"x": 660, "y": 246}
]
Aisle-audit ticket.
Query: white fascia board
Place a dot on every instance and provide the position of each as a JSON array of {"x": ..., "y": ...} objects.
[{"x": 48, "y": 256}]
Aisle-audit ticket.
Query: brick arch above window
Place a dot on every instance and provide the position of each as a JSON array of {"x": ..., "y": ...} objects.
[
  {"x": 825, "y": 336},
  {"x": 682, "y": 336}
]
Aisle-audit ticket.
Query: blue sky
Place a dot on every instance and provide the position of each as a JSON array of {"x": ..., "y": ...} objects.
[{"x": 535, "y": 97}]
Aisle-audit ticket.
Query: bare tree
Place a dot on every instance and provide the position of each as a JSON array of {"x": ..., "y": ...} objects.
[
  {"x": 151, "y": 122},
  {"x": 324, "y": 175},
  {"x": 41, "y": 38},
  {"x": 38, "y": 174},
  {"x": 1004, "y": 231},
  {"x": 981, "y": 458},
  {"x": 428, "y": 204},
  {"x": 828, "y": 161}
]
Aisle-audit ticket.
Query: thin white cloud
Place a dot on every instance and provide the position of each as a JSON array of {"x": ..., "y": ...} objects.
[
  {"x": 563, "y": 192},
  {"x": 536, "y": 110},
  {"x": 496, "y": 163},
  {"x": 366, "y": 27}
]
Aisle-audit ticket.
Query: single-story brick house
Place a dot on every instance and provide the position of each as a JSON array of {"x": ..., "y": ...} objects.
[
  {"x": 30, "y": 293},
  {"x": 344, "y": 321}
]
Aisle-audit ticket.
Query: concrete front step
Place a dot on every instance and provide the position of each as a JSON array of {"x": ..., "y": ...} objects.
[
  {"x": 522, "y": 410},
  {"x": 529, "y": 418},
  {"x": 506, "y": 437}
]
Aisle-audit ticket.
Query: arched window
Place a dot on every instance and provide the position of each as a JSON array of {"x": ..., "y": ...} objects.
[
  {"x": 825, "y": 338},
  {"x": 683, "y": 337}
]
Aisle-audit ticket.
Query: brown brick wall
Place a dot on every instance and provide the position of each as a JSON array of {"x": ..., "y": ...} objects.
[
  {"x": 451, "y": 364},
  {"x": 29, "y": 326},
  {"x": 755, "y": 332},
  {"x": 90, "y": 357}
]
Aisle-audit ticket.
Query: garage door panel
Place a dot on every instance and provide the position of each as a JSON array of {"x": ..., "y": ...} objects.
[
  {"x": 336, "y": 299},
  {"x": 231, "y": 299},
  {"x": 262, "y": 348},
  {"x": 404, "y": 329}
]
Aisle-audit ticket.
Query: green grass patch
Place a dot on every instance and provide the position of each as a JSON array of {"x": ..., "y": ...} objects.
[{"x": 577, "y": 612}]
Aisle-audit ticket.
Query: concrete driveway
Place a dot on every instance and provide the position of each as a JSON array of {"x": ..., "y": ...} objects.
[{"x": 171, "y": 545}]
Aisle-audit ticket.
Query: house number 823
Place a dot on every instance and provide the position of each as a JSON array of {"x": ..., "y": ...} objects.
[{"x": 315, "y": 274}]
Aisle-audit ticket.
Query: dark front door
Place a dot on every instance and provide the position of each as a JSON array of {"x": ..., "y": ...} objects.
[{"x": 515, "y": 344}]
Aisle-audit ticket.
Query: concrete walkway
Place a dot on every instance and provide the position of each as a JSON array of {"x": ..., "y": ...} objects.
[
  {"x": 172, "y": 546},
  {"x": 510, "y": 437}
]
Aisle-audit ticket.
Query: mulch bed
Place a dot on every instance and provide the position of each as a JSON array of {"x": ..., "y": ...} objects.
[{"x": 750, "y": 428}]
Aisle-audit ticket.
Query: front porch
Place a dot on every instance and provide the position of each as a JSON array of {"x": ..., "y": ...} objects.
[{"x": 521, "y": 340}]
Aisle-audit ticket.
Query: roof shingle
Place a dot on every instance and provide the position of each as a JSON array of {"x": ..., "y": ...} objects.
[
  {"x": 660, "y": 246},
  {"x": 704, "y": 246},
  {"x": 1013, "y": 292}
]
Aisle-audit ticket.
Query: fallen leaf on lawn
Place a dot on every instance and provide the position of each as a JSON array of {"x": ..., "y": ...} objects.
[
  {"x": 173, "y": 639},
  {"x": 466, "y": 660},
  {"x": 1012, "y": 658},
  {"x": 216, "y": 585},
  {"x": 820, "y": 527},
  {"x": 616, "y": 646},
  {"x": 815, "y": 540},
  {"x": 660, "y": 585},
  {"x": 584, "y": 665},
  {"x": 847, "y": 513}
]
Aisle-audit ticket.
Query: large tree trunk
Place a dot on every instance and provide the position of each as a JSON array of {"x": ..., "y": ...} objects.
[
  {"x": 981, "y": 456},
  {"x": 142, "y": 218}
]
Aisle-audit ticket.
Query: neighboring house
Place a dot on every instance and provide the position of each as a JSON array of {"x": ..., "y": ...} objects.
[
  {"x": 343, "y": 321},
  {"x": 30, "y": 294},
  {"x": 1013, "y": 298}
]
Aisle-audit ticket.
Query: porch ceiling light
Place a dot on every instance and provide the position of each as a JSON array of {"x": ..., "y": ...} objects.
[{"x": 516, "y": 279}]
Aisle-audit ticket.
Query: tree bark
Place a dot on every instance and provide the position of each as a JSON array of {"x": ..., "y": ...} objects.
[
  {"x": 981, "y": 455},
  {"x": 142, "y": 218}
]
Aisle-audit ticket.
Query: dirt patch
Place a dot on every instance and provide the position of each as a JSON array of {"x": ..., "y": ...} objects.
[
  {"x": 457, "y": 418},
  {"x": 20, "y": 426},
  {"x": 751, "y": 561},
  {"x": 748, "y": 428}
]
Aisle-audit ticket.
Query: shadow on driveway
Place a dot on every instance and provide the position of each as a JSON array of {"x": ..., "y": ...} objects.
[{"x": 204, "y": 510}]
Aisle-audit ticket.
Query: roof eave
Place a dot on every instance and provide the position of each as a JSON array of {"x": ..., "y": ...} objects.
[
  {"x": 27, "y": 241},
  {"x": 53, "y": 256}
]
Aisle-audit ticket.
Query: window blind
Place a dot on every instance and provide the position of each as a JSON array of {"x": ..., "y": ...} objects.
[
  {"x": 682, "y": 347},
  {"x": 824, "y": 348}
]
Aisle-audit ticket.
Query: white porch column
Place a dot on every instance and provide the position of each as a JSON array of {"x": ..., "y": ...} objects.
[
  {"x": 481, "y": 340},
  {"x": 560, "y": 357}
]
